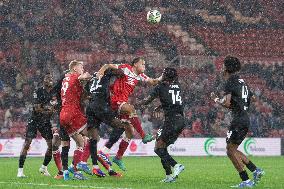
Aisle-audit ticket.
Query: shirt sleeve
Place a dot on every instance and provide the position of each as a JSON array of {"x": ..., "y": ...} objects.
[
  {"x": 228, "y": 89},
  {"x": 143, "y": 77},
  {"x": 123, "y": 66}
]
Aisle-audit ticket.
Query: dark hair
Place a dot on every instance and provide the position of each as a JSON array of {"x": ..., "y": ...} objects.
[
  {"x": 170, "y": 74},
  {"x": 135, "y": 60},
  {"x": 232, "y": 64},
  {"x": 45, "y": 75}
]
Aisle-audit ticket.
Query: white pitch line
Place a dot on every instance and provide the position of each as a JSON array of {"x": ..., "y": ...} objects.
[{"x": 61, "y": 185}]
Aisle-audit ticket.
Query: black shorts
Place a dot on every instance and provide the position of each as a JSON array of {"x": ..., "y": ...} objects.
[
  {"x": 63, "y": 134},
  {"x": 236, "y": 135},
  {"x": 98, "y": 113},
  {"x": 172, "y": 128},
  {"x": 240, "y": 121},
  {"x": 36, "y": 125}
]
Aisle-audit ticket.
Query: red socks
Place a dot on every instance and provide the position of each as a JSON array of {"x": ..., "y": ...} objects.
[
  {"x": 122, "y": 148},
  {"x": 135, "y": 122},
  {"x": 86, "y": 152},
  {"x": 125, "y": 142},
  {"x": 57, "y": 159},
  {"x": 137, "y": 125},
  {"x": 105, "y": 164},
  {"x": 78, "y": 153}
]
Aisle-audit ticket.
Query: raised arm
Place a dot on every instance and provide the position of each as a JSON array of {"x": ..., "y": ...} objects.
[
  {"x": 154, "y": 94},
  {"x": 101, "y": 72},
  {"x": 85, "y": 76},
  {"x": 146, "y": 101},
  {"x": 155, "y": 81}
]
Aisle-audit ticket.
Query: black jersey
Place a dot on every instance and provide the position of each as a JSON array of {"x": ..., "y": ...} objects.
[
  {"x": 240, "y": 99},
  {"x": 99, "y": 88},
  {"x": 57, "y": 92},
  {"x": 42, "y": 97},
  {"x": 170, "y": 96}
]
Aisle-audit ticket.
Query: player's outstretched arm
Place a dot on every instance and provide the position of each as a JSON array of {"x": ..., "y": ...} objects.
[
  {"x": 85, "y": 76},
  {"x": 152, "y": 81},
  {"x": 142, "y": 104},
  {"x": 225, "y": 101},
  {"x": 101, "y": 72}
]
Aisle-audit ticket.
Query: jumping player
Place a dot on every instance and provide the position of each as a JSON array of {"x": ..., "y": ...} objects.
[
  {"x": 120, "y": 91},
  {"x": 237, "y": 98},
  {"x": 99, "y": 110}
]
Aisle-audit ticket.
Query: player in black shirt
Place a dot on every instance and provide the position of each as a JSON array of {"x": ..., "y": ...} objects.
[
  {"x": 237, "y": 97},
  {"x": 99, "y": 110},
  {"x": 170, "y": 94},
  {"x": 40, "y": 121}
]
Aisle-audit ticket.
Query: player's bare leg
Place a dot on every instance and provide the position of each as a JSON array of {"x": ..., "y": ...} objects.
[
  {"x": 236, "y": 159},
  {"x": 47, "y": 158},
  {"x": 23, "y": 156},
  {"x": 257, "y": 172},
  {"x": 128, "y": 113},
  {"x": 233, "y": 154}
]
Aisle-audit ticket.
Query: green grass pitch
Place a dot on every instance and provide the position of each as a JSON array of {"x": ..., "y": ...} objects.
[{"x": 146, "y": 173}]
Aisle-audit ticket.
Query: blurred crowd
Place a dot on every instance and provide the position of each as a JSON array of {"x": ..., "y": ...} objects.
[
  {"x": 37, "y": 37},
  {"x": 204, "y": 118}
]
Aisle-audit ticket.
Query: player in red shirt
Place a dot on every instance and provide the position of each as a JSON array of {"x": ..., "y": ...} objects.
[
  {"x": 120, "y": 91},
  {"x": 71, "y": 116}
]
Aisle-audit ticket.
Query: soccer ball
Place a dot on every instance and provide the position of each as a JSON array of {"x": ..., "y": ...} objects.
[{"x": 154, "y": 16}]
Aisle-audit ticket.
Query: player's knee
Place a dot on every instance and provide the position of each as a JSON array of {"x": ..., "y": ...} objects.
[
  {"x": 65, "y": 143},
  {"x": 129, "y": 135},
  {"x": 26, "y": 147},
  {"x": 27, "y": 144},
  {"x": 93, "y": 134},
  {"x": 49, "y": 148},
  {"x": 127, "y": 109},
  {"x": 230, "y": 151},
  {"x": 80, "y": 144},
  {"x": 159, "y": 151},
  {"x": 129, "y": 132}
]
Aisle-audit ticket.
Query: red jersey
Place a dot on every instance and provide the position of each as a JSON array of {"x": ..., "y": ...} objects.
[
  {"x": 123, "y": 87},
  {"x": 71, "y": 90}
]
